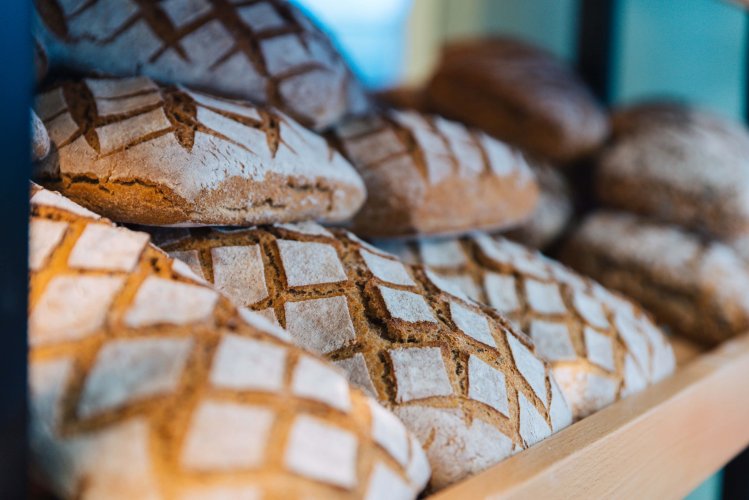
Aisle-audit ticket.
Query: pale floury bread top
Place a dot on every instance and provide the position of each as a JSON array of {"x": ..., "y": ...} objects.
[
  {"x": 428, "y": 175},
  {"x": 265, "y": 51},
  {"x": 602, "y": 347},
  {"x": 139, "y": 152},
  {"x": 697, "y": 286},
  {"x": 678, "y": 164},
  {"x": 459, "y": 376},
  {"x": 146, "y": 383},
  {"x": 40, "y": 144}
]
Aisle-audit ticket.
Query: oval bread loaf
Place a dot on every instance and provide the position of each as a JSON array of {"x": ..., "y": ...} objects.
[
  {"x": 600, "y": 345},
  {"x": 680, "y": 165},
  {"x": 147, "y": 383},
  {"x": 553, "y": 211},
  {"x": 428, "y": 175},
  {"x": 469, "y": 386},
  {"x": 698, "y": 287},
  {"x": 142, "y": 153},
  {"x": 267, "y": 51},
  {"x": 518, "y": 93}
]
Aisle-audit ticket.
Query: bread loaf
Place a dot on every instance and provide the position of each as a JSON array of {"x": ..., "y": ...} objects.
[
  {"x": 266, "y": 51},
  {"x": 146, "y": 383},
  {"x": 698, "y": 287},
  {"x": 679, "y": 165},
  {"x": 428, "y": 175},
  {"x": 467, "y": 384},
  {"x": 142, "y": 153},
  {"x": 601, "y": 346},
  {"x": 520, "y": 94},
  {"x": 39, "y": 139},
  {"x": 553, "y": 211}
]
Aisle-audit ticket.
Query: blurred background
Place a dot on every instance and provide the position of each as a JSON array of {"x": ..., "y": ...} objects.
[
  {"x": 691, "y": 49},
  {"x": 695, "y": 50}
]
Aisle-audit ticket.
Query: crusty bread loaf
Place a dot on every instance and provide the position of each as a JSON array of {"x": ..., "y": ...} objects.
[
  {"x": 428, "y": 175},
  {"x": 459, "y": 376},
  {"x": 520, "y": 94},
  {"x": 679, "y": 164},
  {"x": 142, "y": 153},
  {"x": 698, "y": 287},
  {"x": 553, "y": 211},
  {"x": 265, "y": 51},
  {"x": 601, "y": 346},
  {"x": 146, "y": 383},
  {"x": 39, "y": 138}
]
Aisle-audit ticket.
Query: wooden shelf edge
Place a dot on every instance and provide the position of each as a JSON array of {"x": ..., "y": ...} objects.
[{"x": 662, "y": 442}]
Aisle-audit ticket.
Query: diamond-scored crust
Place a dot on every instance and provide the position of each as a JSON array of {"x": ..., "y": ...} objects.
[
  {"x": 190, "y": 404},
  {"x": 697, "y": 286},
  {"x": 398, "y": 336},
  {"x": 266, "y": 51},
  {"x": 575, "y": 323},
  {"x": 428, "y": 175},
  {"x": 143, "y": 153}
]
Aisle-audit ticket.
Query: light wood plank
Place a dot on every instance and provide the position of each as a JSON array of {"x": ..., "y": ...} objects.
[{"x": 660, "y": 443}]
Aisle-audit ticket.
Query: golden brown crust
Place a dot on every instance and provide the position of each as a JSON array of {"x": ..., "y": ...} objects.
[{"x": 520, "y": 94}]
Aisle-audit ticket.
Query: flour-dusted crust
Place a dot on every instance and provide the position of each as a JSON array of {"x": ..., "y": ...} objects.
[
  {"x": 680, "y": 165},
  {"x": 699, "y": 287},
  {"x": 453, "y": 371},
  {"x": 138, "y": 152},
  {"x": 267, "y": 51},
  {"x": 518, "y": 93},
  {"x": 428, "y": 175},
  {"x": 39, "y": 139},
  {"x": 553, "y": 211},
  {"x": 600, "y": 346},
  {"x": 146, "y": 383}
]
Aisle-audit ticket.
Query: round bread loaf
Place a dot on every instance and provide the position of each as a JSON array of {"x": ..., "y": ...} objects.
[
  {"x": 698, "y": 287},
  {"x": 146, "y": 383},
  {"x": 39, "y": 139},
  {"x": 680, "y": 165},
  {"x": 553, "y": 211},
  {"x": 142, "y": 153},
  {"x": 265, "y": 51},
  {"x": 520, "y": 94},
  {"x": 428, "y": 175},
  {"x": 469, "y": 386},
  {"x": 601, "y": 346}
]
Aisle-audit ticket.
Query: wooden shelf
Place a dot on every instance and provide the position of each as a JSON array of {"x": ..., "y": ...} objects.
[{"x": 660, "y": 443}]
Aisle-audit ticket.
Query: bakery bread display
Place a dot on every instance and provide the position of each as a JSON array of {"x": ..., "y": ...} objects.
[
  {"x": 428, "y": 175},
  {"x": 600, "y": 345},
  {"x": 267, "y": 51},
  {"x": 147, "y": 383},
  {"x": 39, "y": 139},
  {"x": 553, "y": 211},
  {"x": 700, "y": 288},
  {"x": 144, "y": 153},
  {"x": 459, "y": 376},
  {"x": 678, "y": 164},
  {"x": 520, "y": 94}
]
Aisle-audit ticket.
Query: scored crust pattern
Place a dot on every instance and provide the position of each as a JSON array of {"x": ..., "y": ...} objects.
[
  {"x": 266, "y": 51},
  {"x": 470, "y": 388},
  {"x": 146, "y": 383},
  {"x": 601, "y": 346},
  {"x": 697, "y": 286},
  {"x": 143, "y": 153},
  {"x": 425, "y": 174}
]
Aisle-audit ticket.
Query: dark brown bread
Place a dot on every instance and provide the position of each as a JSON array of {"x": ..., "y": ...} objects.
[
  {"x": 458, "y": 375},
  {"x": 520, "y": 94},
  {"x": 147, "y": 383},
  {"x": 145, "y": 153},
  {"x": 428, "y": 175},
  {"x": 680, "y": 165},
  {"x": 265, "y": 51}
]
